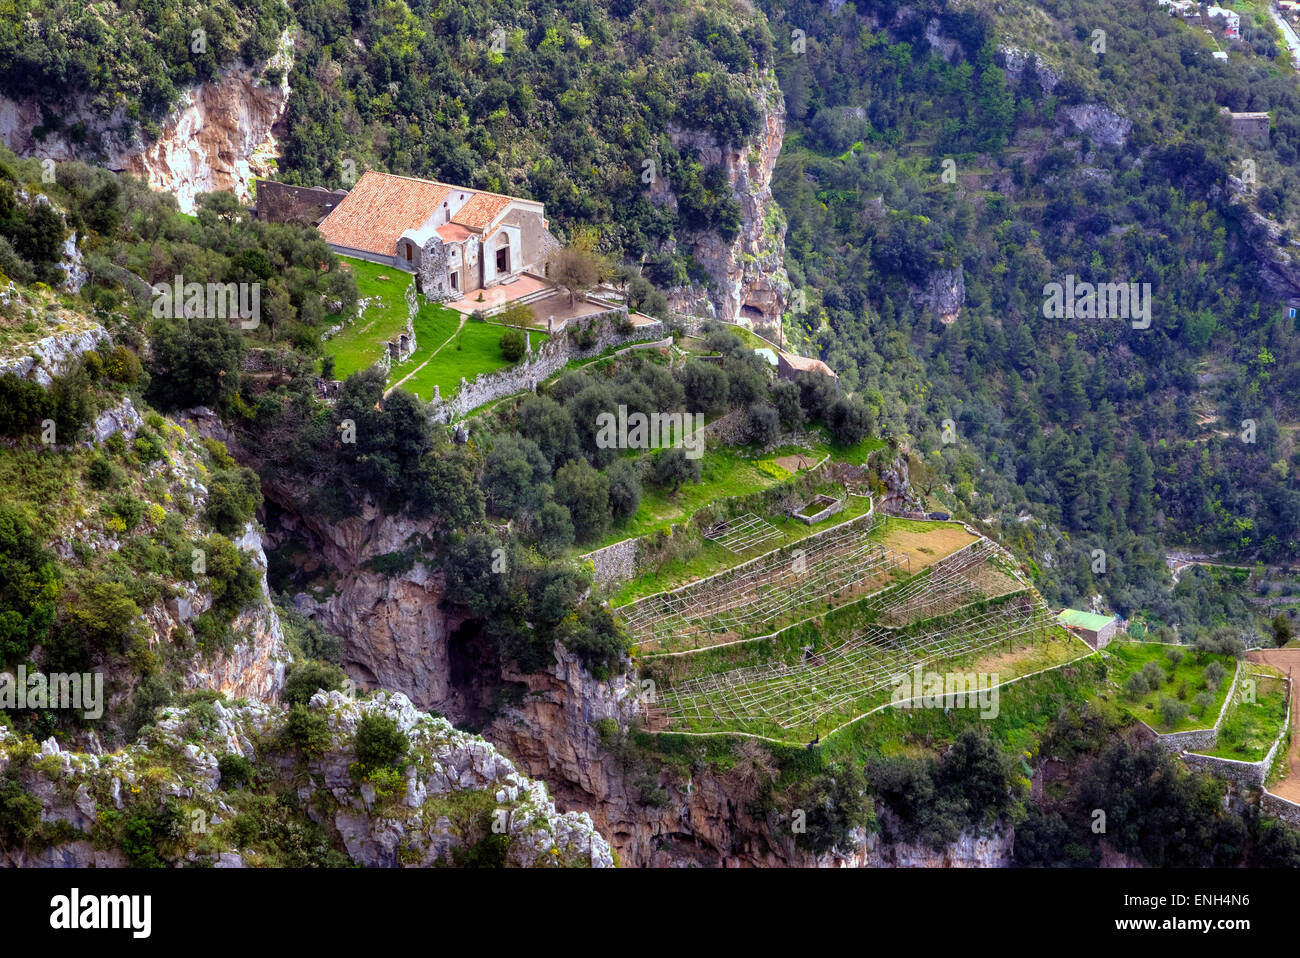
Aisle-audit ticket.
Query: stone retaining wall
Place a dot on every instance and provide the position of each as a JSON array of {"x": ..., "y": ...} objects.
[
  {"x": 1241, "y": 774},
  {"x": 615, "y": 563},
  {"x": 1280, "y": 807},
  {"x": 1245, "y": 774}
]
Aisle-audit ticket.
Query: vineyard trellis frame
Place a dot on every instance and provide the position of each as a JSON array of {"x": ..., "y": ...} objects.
[
  {"x": 793, "y": 695},
  {"x": 743, "y": 533},
  {"x": 767, "y": 588}
]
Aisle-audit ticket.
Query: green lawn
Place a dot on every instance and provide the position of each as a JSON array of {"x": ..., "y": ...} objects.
[
  {"x": 361, "y": 344},
  {"x": 475, "y": 349},
  {"x": 1250, "y": 728},
  {"x": 1182, "y": 683},
  {"x": 434, "y": 325}
]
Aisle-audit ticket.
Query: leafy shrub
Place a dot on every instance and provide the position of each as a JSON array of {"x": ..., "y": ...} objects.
[
  {"x": 147, "y": 833},
  {"x": 29, "y": 586},
  {"x": 380, "y": 743},
  {"x": 148, "y": 446},
  {"x": 127, "y": 508},
  {"x": 1172, "y": 711},
  {"x": 305, "y": 679},
  {"x": 20, "y": 814},
  {"x": 306, "y": 730},
  {"x": 104, "y": 474},
  {"x": 236, "y": 771},
  {"x": 512, "y": 345},
  {"x": 234, "y": 496}
]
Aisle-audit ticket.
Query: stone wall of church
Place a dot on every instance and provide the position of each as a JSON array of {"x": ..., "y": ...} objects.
[{"x": 431, "y": 271}]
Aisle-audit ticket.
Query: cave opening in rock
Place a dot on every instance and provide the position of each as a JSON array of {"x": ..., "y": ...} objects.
[{"x": 465, "y": 654}]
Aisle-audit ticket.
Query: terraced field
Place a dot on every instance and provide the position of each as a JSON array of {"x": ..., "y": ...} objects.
[{"x": 967, "y": 612}]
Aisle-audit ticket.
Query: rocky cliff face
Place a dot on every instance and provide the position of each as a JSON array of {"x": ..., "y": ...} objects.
[
  {"x": 705, "y": 820},
  {"x": 944, "y": 293},
  {"x": 419, "y": 822},
  {"x": 396, "y": 632},
  {"x": 566, "y": 727},
  {"x": 748, "y": 275},
  {"x": 218, "y": 137}
]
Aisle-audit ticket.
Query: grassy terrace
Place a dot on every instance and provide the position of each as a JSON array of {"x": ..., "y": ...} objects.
[
  {"x": 448, "y": 346},
  {"x": 1250, "y": 728},
  {"x": 360, "y": 345},
  {"x": 1182, "y": 682},
  {"x": 725, "y": 472},
  {"x": 462, "y": 354},
  {"x": 713, "y": 558}
]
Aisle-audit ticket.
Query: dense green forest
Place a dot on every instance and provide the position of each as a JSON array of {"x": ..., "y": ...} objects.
[{"x": 1106, "y": 432}]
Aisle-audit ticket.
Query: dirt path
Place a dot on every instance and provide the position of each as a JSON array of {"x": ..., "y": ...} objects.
[
  {"x": 1288, "y": 660},
  {"x": 459, "y": 327}
]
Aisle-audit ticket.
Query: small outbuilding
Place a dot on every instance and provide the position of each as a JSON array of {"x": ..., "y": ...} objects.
[{"x": 1096, "y": 630}]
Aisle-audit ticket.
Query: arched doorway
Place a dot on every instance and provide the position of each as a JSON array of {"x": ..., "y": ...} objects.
[{"x": 503, "y": 254}]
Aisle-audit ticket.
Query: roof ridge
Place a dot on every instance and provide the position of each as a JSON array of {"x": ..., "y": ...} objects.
[{"x": 452, "y": 186}]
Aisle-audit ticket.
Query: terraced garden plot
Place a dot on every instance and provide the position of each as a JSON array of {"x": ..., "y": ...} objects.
[
  {"x": 976, "y": 571},
  {"x": 1249, "y": 729},
  {"x": 474, "y": 349},
  {"x": 711, "y": 558},
  {"x": 765, "y": 593},
  {"x": 923, "y": 541},
  {"x": 806, "y": 693},
  {"x": 851, "y": 560},
  {"x": 1125, "y": 658}
]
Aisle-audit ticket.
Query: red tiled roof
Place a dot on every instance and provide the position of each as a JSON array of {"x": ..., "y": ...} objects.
[
  {"x": 379, "y": 209},
  {"x": 480, "y": 210},
  {"x": 454, "y": 233}
]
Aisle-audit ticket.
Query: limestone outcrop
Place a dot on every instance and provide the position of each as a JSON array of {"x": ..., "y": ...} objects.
[
  {"x": 418, "y": 820},
  {"x": 749, "y": 282},
  {"x": 219, "y": 136}
]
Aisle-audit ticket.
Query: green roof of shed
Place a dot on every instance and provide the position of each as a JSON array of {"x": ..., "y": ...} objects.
[{"x": 1073, "y": 618}]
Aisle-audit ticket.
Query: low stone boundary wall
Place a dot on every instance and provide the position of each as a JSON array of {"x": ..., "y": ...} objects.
[
  {"x": 836, "y": 506},
  {"x": 1279, "y": 807}
]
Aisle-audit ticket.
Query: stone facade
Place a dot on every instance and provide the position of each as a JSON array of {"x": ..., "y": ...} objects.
[
  {"x": 432, "y": 271},
  {"x": 1252, "y": 127}
]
